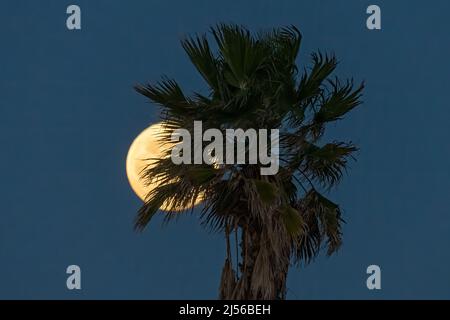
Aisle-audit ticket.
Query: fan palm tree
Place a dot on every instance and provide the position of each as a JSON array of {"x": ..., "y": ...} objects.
[{"x": 278, "y": 220}]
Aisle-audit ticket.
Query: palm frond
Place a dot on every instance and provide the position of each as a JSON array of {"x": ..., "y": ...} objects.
[
  {"x": 341, "y": 100},
  {"x": 311, "y": 84},
  {"x": 323, "y": 220},
  {"x": 203, "y": 59},
  {"x": 241, "y": 53},
  {"x": 327, "y": 163},
  {"x": 168, "y": 94}
]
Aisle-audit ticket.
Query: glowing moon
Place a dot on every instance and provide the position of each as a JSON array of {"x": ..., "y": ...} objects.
[{"x": 144, "y": 147}]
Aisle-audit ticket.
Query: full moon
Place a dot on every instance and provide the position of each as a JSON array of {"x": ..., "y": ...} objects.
[{"x": 143, "y": 148}]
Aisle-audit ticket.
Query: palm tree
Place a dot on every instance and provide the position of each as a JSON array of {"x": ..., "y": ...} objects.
[{"x": 253, "y": 82}]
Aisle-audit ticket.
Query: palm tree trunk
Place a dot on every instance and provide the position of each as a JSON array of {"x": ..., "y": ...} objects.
[{"x": 262, "y": 276}]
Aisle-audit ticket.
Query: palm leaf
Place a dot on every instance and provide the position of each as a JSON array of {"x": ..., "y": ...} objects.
[
  {"x": 341, "y": 100},
  {"x": 203, "y": 59},
  {"x": 326, "y": 164}
]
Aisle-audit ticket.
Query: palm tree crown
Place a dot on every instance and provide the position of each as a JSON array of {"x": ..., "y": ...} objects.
[{"x": 253, "y": 82}]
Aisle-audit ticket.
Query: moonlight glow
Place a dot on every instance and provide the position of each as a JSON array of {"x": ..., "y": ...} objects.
[{"x": 143, "y": 148}]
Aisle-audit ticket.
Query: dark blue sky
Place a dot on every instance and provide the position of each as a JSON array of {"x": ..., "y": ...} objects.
[{"x": 68, "y": 115}]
